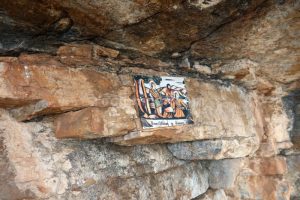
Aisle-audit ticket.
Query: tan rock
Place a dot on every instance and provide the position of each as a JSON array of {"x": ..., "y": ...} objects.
[
  {"x": 262, "y": 187},
  {"x": 80, "y": 50},
  {"x": 39, "y": 166},
  {"x": 262, "y": 39},
  {"x": 261, "y": 178},
  {"x": 30, "y": 174},
  {"x": 76, "y": 54},
  {"x": 61, "y": 89},
  {"x": 106, "y": 52},
  {"x": 237, "y": 69},
  {"x": 31, "y": 89},
  {"x": 94, "y": 122},
  {"x": 202, "y": 68},
  {"x": 217, "y": 111},
  {"x": 267, "y": 149},
  {"x": 268, "y": 166},
  {"x": 39, "y": 59}
]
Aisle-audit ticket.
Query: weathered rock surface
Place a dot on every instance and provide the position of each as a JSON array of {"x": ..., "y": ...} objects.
[
  {"x": 268, "y": 166},
  {"x": 293, "y": 175},
  {"x": 257, "y": 34},
  {"x": 296, "y": 132},
  {"x": 31, "y": 87},
  {"x": 266, "y": 187},
  {"x": 215, "y": 149},
  {"x": 252, "y": 178},
  {"x": 45, "y": 167},
  {"x": 209, "y": 106},
  {"x": 213, "y": 195},
  {"x": 223, "y": 173},
  {"x": 94, "y": 122},
  {"x": 63, "y": 88},
  {"x": 147, "y": 26},
  {"x": 241, "y": 60}
]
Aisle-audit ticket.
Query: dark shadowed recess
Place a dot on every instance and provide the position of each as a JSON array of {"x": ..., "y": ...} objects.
[
  {"x": 164, "y": 28},
  {"x": 292, "y": 105}
]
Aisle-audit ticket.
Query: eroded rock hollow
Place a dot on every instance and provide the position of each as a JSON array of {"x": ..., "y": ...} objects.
[{"x": 77, "y": 123}]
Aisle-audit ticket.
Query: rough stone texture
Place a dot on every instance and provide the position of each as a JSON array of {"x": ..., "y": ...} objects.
[
  {"x": 106, "y": 52},
  {"x": 293, "y": 175},
  {"x": 266, "y": 187},
  {"x": 223, "y": 173},
  {"x": 268, "y": 166},
  {"x": 263, "y": 55},
  {"x": 29, "y": 110},
  {"x": 296, "y": 131},
  {"x": 213, "y": 195},
  {"x": 252, "y": 178},
  {"x": 258, "y": 178},
  {"x": 45, "y": 167},
  {"x": 147, "y": 26},
  {"x": 243, "y": 54},
  {"x": 209, "y": 104},
  {"x": 271, "y": 30},
  {"x": 94, "y": 122},
  {"x": 8, "y": 189},
  {"x": 215, "y": 149},
  {"x": 62, "y": 89}
]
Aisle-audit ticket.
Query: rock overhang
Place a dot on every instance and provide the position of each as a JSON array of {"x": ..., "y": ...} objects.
[
  {"x": 149, "y": 27},
  {"x": 101, "y": 104},
  {"x": 251, "y": 44}
]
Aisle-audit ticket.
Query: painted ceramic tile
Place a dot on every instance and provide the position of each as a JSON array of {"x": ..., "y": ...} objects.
[{"x": 162, "y": 101}]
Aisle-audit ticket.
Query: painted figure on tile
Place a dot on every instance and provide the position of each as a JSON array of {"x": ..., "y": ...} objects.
[{"x": 162, "y": 101}]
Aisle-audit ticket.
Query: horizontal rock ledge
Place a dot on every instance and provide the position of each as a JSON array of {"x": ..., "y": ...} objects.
[
  {"x": 215, "y": 149},
  {"x": 217, "y": 111},
  {"x": 93, "y": 122},
  {"x": 107, "y": 108}
]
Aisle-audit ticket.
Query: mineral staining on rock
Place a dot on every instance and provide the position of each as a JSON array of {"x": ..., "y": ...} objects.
[
  {"x": 69, "y": 120},
  {"x": 74, "y": 169},
  {"x": 209, "y": 103},
  {"x": 94, "y": 122},
  {"x": 103, "y": 105}
]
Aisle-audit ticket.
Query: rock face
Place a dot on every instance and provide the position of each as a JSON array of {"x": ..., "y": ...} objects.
[
  {"x": 93, "y": 123},
  {"x": 106, "y": 107},
  {"x": 209, "y": 104},
  {"x": 215, "y": 149},
  {"x": 293, "y": 175},
  {"x": 251, "y": 178},
  {"x": 69, "y": 122},
  {"x": 147, "y": 26},
  {"x": 213, "y": 195},
  {"x": 19, "y": 83},
  {"x": 223, "y": 173},
  {"x": 45, "y": 167}
]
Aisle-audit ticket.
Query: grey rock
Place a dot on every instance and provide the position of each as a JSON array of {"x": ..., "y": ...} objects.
[
  {"x": 222, "y": 173},
  {"x": 48, "y": 168},
  {"x": 214, "y": 149},
  {"x": 26, "y": 112},
  {"x": 293, "y": 175},
  {"x": 212, "y": 195}
]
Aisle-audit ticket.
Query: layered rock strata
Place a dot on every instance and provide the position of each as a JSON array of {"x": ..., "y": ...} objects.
[{"x": 102, "y": 104}]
